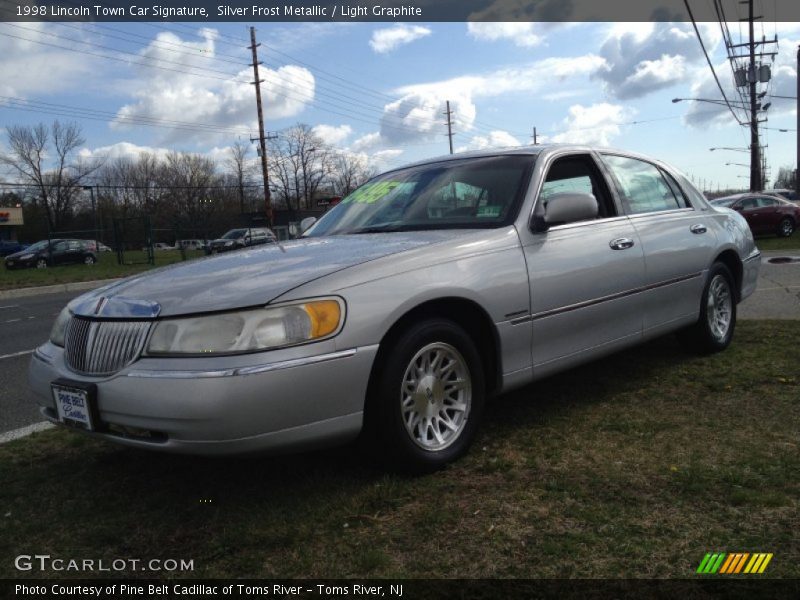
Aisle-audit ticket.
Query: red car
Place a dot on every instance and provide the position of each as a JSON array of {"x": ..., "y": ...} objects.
[{"x": 764, "y": 213}]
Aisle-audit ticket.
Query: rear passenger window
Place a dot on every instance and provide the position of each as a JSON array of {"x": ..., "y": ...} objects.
[
  {"x": 683, "y": 201},
  {"x": 641, "y": 185}
]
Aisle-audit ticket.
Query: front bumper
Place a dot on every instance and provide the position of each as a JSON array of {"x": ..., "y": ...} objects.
[{"x": 208, "y": 406}]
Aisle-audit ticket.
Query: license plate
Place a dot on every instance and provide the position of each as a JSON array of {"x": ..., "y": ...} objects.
[{"x": 74, "y": 406}]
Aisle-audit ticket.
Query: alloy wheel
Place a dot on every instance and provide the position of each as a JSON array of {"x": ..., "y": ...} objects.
[{"x": 719, "y": 307}]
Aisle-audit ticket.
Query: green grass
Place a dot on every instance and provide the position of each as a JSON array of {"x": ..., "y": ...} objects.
[
  {"x": 105, "y": 268},
  {"x": 633, "y": 466},
  {"x": 791, "y": 243}
]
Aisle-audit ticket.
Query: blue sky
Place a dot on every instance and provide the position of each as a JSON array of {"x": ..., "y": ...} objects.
[{"x": 378, "y": 90}]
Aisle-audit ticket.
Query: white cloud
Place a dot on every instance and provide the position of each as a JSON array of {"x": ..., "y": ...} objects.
[
  {"x": 368, "y": 142},
  {"x": 642, "y": 58},
  {"x": 418, "y": 114},
  {"x": 28, "y": 67},
  {"x": 221, "y": 101},
  {"x": 495, "y": 139},
  {"x": 333, "y": 135},
  {"x": 597, "y": 124},
  {"x": 122, "y": 150},
  {"x": 525, "y": 35},
  {"x": 386, "y": 40}
]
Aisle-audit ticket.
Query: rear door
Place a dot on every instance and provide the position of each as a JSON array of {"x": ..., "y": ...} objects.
[
  {"x": 677, "y": 240},
  {"x": 583, "y": 276}
]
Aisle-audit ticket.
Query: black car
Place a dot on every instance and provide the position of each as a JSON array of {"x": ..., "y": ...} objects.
[
  {"x": 55, "y": 252},
  {"x": 8, "y": 247},
  {"x": 240, "y": 238}
]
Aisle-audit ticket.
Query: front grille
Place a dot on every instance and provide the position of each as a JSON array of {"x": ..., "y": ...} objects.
[{"x": 103, "y": 347}]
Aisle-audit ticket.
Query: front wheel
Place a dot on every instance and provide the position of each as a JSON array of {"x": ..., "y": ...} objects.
[
  {"x": 713, "y": 330},
  {"x": 41, "y": 263},
  {"x": 89, "y": 260},
  {"x": 425, "y": 405},
  {"x": 785, "y": 227}
]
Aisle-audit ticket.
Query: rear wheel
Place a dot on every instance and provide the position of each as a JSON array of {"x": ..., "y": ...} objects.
[
  {"x": 785, "y": 227},
  {"x": 425, "y": 405},
  {"x": 714, "y": 328},
  {"x": 41, "y": 263},
  {"x": 89, "y": 260}
]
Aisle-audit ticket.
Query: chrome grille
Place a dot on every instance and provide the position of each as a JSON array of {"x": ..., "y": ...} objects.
[{"x": 103, "y": 347}]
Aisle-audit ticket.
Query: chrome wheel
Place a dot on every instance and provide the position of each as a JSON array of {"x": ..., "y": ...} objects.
[
  {"x": 41, "y": 264},
  {"x": 436, "y": 396},
  {"x": 88, "y": 260},
  {"x": 719, "y": 307},
  {"x": 786, "y": 228}
]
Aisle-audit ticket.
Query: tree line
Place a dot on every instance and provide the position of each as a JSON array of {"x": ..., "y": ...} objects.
[{"x": 192, "y": 192}]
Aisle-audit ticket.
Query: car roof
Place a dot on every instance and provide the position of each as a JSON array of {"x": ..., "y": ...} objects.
[{"x": 530, "y": 150}]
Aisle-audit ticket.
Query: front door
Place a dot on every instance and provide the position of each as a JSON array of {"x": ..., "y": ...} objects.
[{"x": 583, "y": 275}]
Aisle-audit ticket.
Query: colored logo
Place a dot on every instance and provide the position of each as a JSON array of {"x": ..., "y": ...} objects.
[
  {"x": 735, "y": 563},
  {"x": 4, "y": 217}
]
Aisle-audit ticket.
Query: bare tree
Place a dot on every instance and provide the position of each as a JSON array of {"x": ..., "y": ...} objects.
[
  {"x": 240, "y": 170},
  {"x": 349, "y": 171},
  {"x": 193, "y": 180},
  {"x": 44, "y": 157},
  {"x": 786, "y": 178},
  {"x": 299, "y": 163}
]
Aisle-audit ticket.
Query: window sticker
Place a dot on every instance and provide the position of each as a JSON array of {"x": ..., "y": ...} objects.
[
  {"x": 372, "y": 192},
  {"x": 490, "y": 210}
]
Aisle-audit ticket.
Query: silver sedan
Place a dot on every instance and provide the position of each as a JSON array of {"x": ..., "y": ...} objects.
[{"x": 402, "y": 310}]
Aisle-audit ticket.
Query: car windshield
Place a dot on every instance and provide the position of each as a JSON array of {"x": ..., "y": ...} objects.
[
  {"x": 469, "y": 193},
  {"x": 724, "y": 201},
  {"x": 234, "y": 234},
  {"x": 37, "y": 246}
]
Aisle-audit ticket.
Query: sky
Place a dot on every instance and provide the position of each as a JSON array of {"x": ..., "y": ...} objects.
[{"x": 378, "y": 90}]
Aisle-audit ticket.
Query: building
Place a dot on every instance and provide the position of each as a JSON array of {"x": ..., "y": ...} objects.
[{"x": 10, "y": 221}]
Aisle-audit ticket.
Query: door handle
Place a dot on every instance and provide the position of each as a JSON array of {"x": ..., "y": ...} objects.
[
  {"x": 621, "y": 243},
  {"x": 698, "y": 228}
]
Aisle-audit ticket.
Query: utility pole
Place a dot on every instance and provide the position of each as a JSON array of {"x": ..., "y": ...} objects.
[
  {"x": 449, "y": 113},
  {"x": 797, "y": 133},
  {"x": 261, "y": 137},
  {"x": 535, "y": 137},
  {"x": 752, "y": 76}
]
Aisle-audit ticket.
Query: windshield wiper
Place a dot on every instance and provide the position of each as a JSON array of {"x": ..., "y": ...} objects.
[{"x": 381, "y": 228}]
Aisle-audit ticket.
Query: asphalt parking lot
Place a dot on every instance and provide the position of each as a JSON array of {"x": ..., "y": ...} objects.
[{"x": 25, "y": 323}]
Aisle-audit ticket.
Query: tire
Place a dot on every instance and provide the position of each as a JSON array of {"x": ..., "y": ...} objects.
[
  {"x": 419, "y": 424},
  {"x": 41, "y": 263},
  {"x": 89, "y": 260},
  {"x": 716, "y": 322},
  {"x": 785, "y": 227}
]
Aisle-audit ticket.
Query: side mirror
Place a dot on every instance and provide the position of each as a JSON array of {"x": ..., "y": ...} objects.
[
  {"x": 567, "y": 207},
  {"x": 307, "y": 223}
]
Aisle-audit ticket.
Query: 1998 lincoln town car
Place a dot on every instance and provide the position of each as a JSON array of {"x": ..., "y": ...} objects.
[{"x": 424, "y": 292}]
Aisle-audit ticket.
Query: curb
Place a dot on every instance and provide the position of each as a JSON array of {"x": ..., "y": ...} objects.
[{"x": 76, "y": 286}]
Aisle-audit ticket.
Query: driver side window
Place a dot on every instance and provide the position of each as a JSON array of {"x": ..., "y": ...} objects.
[{"x": 577, "y": 174}]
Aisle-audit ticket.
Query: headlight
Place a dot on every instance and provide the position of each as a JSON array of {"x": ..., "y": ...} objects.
[
  {"x": 249, "y": 330},
  {"x": 60, "y": 327}
]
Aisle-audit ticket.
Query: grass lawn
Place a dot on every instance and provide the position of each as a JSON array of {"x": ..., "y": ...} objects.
[
  {"x": 105, "y": 268},
  {"x": 634, "y": 466},
  {"x": 791, "y": 243}
]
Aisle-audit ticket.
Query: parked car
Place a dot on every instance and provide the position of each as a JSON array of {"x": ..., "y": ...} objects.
[
  {"x": 425, "y": 292},
  {"x": 190, "y": 244},
  {"x": 58, "y": 252},
  {"x": 236, "y": 239},
  {"x": 97, "y": 246},
  {"x": 786, "y": 194},
  {"x": 765, "y": 214},
  {"x": 10, "y": 247}
]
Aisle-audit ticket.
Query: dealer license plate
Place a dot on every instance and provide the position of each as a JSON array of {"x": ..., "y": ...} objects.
[{"x": 73, "y": 406}]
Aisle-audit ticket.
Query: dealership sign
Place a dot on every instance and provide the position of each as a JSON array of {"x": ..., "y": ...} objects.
[{"x": 10, "y": 216}]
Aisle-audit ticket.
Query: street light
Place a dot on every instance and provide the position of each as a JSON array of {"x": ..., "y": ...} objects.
[
  {"x": 94, "y": 216},
  {"x": 728, "y": 148},
  {"x": 728, "y": 164}
]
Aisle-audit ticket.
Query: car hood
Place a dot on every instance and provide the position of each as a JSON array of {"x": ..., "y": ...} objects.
[
  {"x": 248, "y": 277},
  {"x": 20, "y": 253}
]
